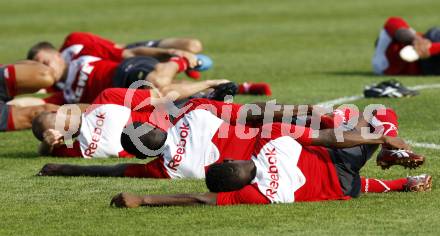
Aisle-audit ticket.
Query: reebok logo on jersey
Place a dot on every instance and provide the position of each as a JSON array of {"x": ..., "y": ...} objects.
[
  {"x": 96, "y": 134},
  {"x": 177, "y": 158},
  {"x": 271, "y": 156}
]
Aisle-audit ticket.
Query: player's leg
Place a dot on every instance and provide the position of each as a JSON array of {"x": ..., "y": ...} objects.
[
  {"x": 188, "y": 44},
  {"x": 27, "y": 78},
  {"x": 26, "y": 101},
  {"x": 419, "y": 183},
  {"x": 21, "y": 117}
]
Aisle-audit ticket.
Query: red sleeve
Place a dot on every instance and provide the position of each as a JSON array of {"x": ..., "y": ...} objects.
[
  {"x": 125, "y": 154},
  {"x": 10, "y": 81},
  {"x": 137, "y": 99},
  {"x": 226, "y": 111},
  {"x": 247, "y": 195},
  {"x": 56, "y": 98},
  {"x": 300, "y": 133},
  {"x": 65, "y": 151},
  {"x": 395, "y": 23},
  {"x": 153, "y": 169}
]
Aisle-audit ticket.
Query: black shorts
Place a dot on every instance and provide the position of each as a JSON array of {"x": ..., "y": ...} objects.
[
  {"x": 148, "y": 43},
  {"x": 348, "y": 163},
  {"x": 133, "y": 69},
  {"x": 431, "y": 66},
  {"x": 4, "y": 115},
  {"x": 3, "y": 90}
]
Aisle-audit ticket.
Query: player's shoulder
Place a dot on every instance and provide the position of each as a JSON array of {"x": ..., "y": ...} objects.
[{"x": 79, "y": 35}]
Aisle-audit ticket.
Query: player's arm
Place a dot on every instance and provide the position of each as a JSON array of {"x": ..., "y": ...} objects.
[
  {"x": 260, "y": 113},
  {"x": 250, "y": 114},
  {"x": 328, "y": 138},
  {"x": 79, "y": 170},
  {"x": 131, "y": 201}
]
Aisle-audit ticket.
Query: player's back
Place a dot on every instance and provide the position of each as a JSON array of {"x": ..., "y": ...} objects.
[{"x": 101, "y": 129}]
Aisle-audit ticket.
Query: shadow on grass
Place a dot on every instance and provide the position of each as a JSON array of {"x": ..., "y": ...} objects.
[
  {"x": 19, "y": 155},
  {"x": 351, "y": 73}
]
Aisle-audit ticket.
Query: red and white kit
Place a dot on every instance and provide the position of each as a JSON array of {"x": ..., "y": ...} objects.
[
  {"x": 198, "y": 139},
  {"x": 386, "y": 59},
  {"x": 87, "y": 77},
  {"x": 288, "y": 170},
  {"x": 103, "y": 122}
]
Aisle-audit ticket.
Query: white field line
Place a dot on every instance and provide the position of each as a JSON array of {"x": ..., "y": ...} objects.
[
  {"x": 424, "y": 145},
  {"x": 346, "y": 99}
]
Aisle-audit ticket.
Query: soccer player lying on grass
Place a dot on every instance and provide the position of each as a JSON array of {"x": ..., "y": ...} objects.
[
  {"x": 301, "y": 167},
  {"x": 199, "y": 138},
  {"x": 132, "y": 59},
  {"x": 86, "y": 76},
  {"x": 393, "y": 57},
  {"x": 21, "y": 78},
  {"x": 98, "y": 129}
]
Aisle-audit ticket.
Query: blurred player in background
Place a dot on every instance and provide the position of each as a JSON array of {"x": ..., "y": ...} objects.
[
  {"x": 423, "y": 58},
  {"x": 146, "y": 53}
]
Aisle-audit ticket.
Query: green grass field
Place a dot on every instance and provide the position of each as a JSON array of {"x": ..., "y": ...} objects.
[{"x": 310, "y": 51}]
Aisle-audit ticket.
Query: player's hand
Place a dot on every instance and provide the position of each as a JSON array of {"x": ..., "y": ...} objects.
[
  {"x": 396, "y": 143},
  {"x": 126, "y": 200},
  {"x": 53, "y": 137},
  {"x": 422, "y": 45},
  {"x": 215, "y": 82}
]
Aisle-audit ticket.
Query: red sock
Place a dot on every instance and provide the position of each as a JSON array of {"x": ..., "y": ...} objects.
[
  {"x": 386, "y": 122},
  {"x": 193, "y": 74},
  {"x": 181, "y": 62},
  {"x": 382, "y": 186},
  {"x": 255, "y": 89},
  {"x": 11, "y": 83},
  {"x": 434, "y": 49},
  {"x": 10, "y": 122}
]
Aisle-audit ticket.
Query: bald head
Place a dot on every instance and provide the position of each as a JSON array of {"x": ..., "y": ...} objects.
[
  {"x": 42, "y": 122},
  {"x": 230, "y": 175},
  {"x": 150, "y": 139}
]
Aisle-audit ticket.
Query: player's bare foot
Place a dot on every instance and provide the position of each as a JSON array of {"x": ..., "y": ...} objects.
[
  {"x": 419, "y": 183},
  {"x": 50, "y": 170},
  {"x": 388, "y": 157},
  {"x": 126, "y": 200}
]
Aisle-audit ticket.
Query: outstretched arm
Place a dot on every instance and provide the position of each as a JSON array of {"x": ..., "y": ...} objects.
[
  {"x": 131, "y": 201},
  {"x": 78, "y": 170},
  {"x": 327, "y": 138}
]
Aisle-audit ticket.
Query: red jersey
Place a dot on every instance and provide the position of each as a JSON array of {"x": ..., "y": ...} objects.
[
  {"x": 288, "y": 170},
  {"x": 386, "y": 59},
  {"x": 88, "y": 76},
  {"x": 199, "y": 138},
  {"x": 103, "y": 122},
  {"x": 79, "y": 44}
]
